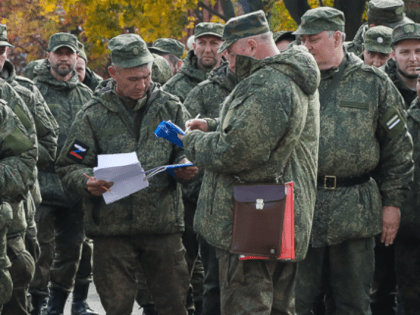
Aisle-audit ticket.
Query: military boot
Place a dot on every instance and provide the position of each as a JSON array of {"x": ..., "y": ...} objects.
[
  {"x": 56, "y": 302},
  {"x": 79, "y": 305},
  {"x": 39, "y": 303}
]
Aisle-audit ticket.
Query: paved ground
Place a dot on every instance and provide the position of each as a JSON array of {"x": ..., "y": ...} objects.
[{"x": 95, "y": 303}]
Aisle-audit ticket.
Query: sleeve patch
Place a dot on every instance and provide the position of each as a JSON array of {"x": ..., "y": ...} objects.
[
  {"x": 393, "y": 122},
  {"x": 78, "y": 151}
]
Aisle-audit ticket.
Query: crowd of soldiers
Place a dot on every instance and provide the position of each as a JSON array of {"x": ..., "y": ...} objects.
[{"x": 339, "y": 119}]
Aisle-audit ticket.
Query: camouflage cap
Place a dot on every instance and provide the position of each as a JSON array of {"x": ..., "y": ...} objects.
[
  {"x": 278, "y": 36},
  {"x": 81, "y": 49},
  {"x": 59, "y": 40},
  {"x": 321, "y": 19},
  {"x": 243, "y": 26},
  {"x": 168, "y": 46},
  {"x": 405, "y": 31},
  {"x": 208, "y": 28},
  {"x": 3, "y": 36},
  {"x": 378, "y": 39},
  {"x": 129, "y": 51},
  {"x": 387, "y": 12}
]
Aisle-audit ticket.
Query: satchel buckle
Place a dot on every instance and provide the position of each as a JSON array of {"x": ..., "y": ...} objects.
[
  {"x": 329, "y": 178},
  {"x": 259, "y": 204}
]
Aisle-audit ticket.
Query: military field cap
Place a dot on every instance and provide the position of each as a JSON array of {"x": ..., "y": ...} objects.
[
  {"x": 321, "y": 19},
  {"x": 378, "y": 39},
  {"x": 278, "y": 36},
  {"x": 59, "y": 40},
  {"x": 243, "y": 26},
  {"x": 168, "y": 46},
  {"x": 3, "y": 36},
  {"x": 208, "y": 28},
  {"x": 406, "y": 31},
  {"x": 387, "y": 12},
  {"x": 81, "y": 49},
  {"x": 129, "y": 51}
]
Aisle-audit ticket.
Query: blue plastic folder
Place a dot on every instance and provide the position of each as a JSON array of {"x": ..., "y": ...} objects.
[
  {"x": 169, "y": 131},
  {"x": 170, "y": 168},
  {"x": 167, "y": 168}
]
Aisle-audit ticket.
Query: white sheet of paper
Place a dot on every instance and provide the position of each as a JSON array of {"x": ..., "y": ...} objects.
[{"x": 125, "y": 171}]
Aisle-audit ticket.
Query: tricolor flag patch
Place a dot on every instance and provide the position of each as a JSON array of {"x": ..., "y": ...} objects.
[
  {"x": 393, "y": 122},
  {"x": 78, "y": 151}
]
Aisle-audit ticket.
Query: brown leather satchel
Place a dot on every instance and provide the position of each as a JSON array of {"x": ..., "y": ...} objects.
[{"x": 258, "y": 220}]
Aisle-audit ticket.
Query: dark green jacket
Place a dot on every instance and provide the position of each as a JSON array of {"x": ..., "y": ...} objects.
[
  {"x": 187, "y": 78},
  {"x": 92, "y": 79},
  {"x": 355, "y": 46},
  {"x": 105, "y": 127},
  {"x": 408, "y": 94},
  {"x": 268, "y": 123},
  {"x": 363, "y": 131},
  {"x": 64, "y": 100}
]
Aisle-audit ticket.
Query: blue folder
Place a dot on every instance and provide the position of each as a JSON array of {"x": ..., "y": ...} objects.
[{"x": 169, "y": 131}]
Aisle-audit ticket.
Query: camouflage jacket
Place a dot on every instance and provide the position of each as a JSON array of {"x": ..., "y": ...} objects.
[
  {"x": 187, "y": 78},
  {"x": 6, "y": 287},
  {"x": 92, "y": 79},
  {"x": 355, "y": 46},
  {"x": 363, "y": 131},
  {"x": 18, "y": 154},
  {"x": 408, "y": 94},
  {"x": 30, "y": 68},
  {"x": 64, "y": 99},
  {"x": 104, "y": 126},
  {"x": 269, "y": 123},
  {"x": 206, "y": 99},
  {"x": 410, "y": 216}
]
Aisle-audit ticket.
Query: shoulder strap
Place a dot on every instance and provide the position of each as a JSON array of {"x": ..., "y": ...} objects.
[{"x": 324, "y": 96}]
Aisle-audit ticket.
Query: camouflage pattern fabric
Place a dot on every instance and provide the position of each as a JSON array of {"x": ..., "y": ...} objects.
[
  {"x": 378, "y": 39},
  {"x": 92, "y": 79},
  {"x": 29, "y": 71},
  {"x": 321, "y": 19},
  {"x": 355, "y": 46},
  {"x": 408, "y": 94},
  {"x": 208, "y": 28},
  {"x": 406, "y": 31},
  {"x": 104, "y": 126},
  {"x": 64, "y": 99},
  {"x": 168, "y": 46},
  {"x": 187, "y": 78},
  {"x": 287, "y": 85},
  {"x": 161, "y": 70},
  {"x": 129, "y": 50},
  {"x": 6, "y": 284}
]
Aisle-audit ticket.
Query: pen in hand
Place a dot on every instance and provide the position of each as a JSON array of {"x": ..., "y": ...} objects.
[
  {"x": 188, "y": 129},
  {"x": 101, "y": 186}
]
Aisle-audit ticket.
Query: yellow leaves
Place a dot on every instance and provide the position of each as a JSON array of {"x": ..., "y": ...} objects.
[
  {"x": 4, "y": 21},
  {"x": 49, "y": 8}
]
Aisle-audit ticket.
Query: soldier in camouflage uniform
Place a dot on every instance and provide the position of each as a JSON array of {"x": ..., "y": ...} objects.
[
  {"x": 407, "y": 256},
  {"x": 377, "y": 46},
  {"x": 18, "y": 154},
  {"x": 389, "y": 13},
  {"x": 283, "y": 39},
  {"x": 363, "y": 130},
  {"x": 144, "y": 228},
  {"x": 269, "y": 125},
  {"x": 206, "y": 99},
  {"x": 170, "y": 49},
  {"x": 199, "y": 61},
  {"x": 90, "y": 78},
  {"x": 402, "y": 68},
  {"x": 161, "y": 70},
  {"x": 60, "y": 222}
]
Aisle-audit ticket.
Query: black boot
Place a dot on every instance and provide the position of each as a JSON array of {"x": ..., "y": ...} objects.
[
  {"x": 39, "y": 302},
  {"x": 79, "y": 305},
  {"x": 56, "y": 302}
]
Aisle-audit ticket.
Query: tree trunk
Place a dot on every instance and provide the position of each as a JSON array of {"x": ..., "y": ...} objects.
[
  {"x": 353, "y": 12},
  {"x": 297, "y": 8},
  {"x": 228, "y": 9}
]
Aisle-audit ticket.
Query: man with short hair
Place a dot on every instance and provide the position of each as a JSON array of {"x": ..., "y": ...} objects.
[
  {"x": 283, "y": 39},
  {"x": 59, "y": 219},
  {"x": 377, "y": 46},
  {"x": 199, "y": 61},
  {"x": 402, "y": 68},
  {"x": 388, "y": 13},
  {"x": 170, "y": 49},
  {"x": 90, "y": 78},
  {"x": 269, "y": 125},
  {"x": 144, "y": 228},
  {"x": 363, "y": 131}
]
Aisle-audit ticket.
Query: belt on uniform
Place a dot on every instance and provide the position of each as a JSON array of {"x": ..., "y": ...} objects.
[{"x": 332, "y": 182}]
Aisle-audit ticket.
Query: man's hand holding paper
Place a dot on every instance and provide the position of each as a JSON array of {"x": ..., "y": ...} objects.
[
  {"x": 94, "y": 186},
  {"x": 186, "y": 172}
]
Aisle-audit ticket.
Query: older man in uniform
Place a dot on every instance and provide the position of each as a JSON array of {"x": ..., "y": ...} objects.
[
  {"x": 268, "y": 126},
  {"x": 144, "y": 228},
  {"x": 363, "y": 131}
]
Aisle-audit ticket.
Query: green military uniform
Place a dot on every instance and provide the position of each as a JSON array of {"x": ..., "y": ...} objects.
[
  {"x": 29, "y": 71},
  {"x": 91, "y": 78},
  {"x": 60, "y": 222},
  {"x": 6, "y": 284},
  {"x": 161, "y": 70},
  {"x": 206, "y": 99},
  {"x": 363, "y": 130},
  {"x": 168, "y": 46},
  {"x": 269, "y": 120},
  {"x": 406, "y": 243},
  {"x": 146, "y": 226},
  {"x": 380, "y": 12}
]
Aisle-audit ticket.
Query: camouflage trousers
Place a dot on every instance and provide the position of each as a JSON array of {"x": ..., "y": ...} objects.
[
  {"x": 22, "y": 272},
  {"x": 349, "y": 268},
  {"x": 407, "y": 265},
  {"x": 6, "y": 287},
  {"x": 160, "y": 256},
  {"x": 66, "y": 254},
  {"x": 257, "y": 287}
]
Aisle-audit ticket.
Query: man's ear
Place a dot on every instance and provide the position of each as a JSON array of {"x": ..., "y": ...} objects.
[
  {"x": 338, "y": 39},
  {"x": 393, "y": 55},
  {"x": 179, "y": 64},
  {"x": 111, "y": 71}
]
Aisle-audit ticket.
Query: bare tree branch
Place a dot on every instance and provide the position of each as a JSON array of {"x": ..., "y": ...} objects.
[{"x": 214, "y": 12}]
